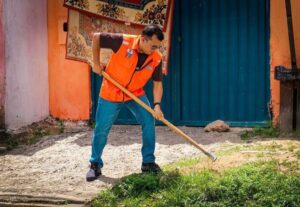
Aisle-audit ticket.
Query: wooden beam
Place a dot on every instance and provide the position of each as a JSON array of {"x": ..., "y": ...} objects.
[
  {"x": 286, "y": 106},
  {"x": 298, "y": 105}
]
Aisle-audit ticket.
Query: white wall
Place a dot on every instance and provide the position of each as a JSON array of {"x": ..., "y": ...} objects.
[
  {"x": 26, "y": 59},
  {"x": 2, "y": 70}
]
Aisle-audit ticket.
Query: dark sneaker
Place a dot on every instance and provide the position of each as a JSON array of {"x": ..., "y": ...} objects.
[
  {"x": 150, "y": 167},
  {"x": 93, "y": 173}
]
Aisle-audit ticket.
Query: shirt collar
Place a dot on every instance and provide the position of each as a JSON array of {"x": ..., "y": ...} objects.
[{"x": 135, "y": 45}]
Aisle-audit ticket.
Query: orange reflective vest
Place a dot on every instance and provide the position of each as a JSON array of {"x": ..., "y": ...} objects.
[{"x": 122, "y": 68}]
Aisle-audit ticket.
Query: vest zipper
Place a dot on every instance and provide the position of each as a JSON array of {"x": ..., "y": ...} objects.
[
  {"x": 146, "y": 64},
  {"x": 133, "y": 75},
  {"x": 128, "y": 83}
]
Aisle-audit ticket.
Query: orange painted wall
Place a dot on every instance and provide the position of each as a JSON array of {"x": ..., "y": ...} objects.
[
  {"x": 279, "y": 45},
  {"x": 69, "y": 82}
]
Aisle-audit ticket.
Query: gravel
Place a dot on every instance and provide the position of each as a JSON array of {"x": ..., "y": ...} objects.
[{"x": 56, "y": 165}]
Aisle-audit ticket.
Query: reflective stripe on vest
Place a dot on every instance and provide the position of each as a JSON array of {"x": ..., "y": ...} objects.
[{"x": 122, "y": 68}]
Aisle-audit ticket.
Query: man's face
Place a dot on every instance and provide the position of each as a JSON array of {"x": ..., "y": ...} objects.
[{"x": 149, "y": 44}]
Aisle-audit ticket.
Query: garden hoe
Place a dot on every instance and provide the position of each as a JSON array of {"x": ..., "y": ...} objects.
[{"x": 166, "y": 122}]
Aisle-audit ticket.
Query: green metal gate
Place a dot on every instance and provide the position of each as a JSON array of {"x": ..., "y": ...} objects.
[{"x": 219, "y": 64}]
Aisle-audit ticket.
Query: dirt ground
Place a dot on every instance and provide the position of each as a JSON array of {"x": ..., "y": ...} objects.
[{"x": 53, "y": 170}]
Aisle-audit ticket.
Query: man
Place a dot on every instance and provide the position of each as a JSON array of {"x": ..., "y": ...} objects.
[{"x": 134, "y": 61}]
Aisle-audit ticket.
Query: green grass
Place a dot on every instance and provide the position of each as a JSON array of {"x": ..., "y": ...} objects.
[
  {"x": 264, "y": 132},
  {"x": 269, "y": 131},
  {"x": 61, "y": 125},
  {"x": 298, "y": 154},
  {"x": 31, "y": 134},
  {"x": 92, "y": 124},
  {"x": 273, "y": 146},
  {"x": 25, "y": 138},
  {"x": 255, "y": 184},
  {"x": 183, "y": 163},
  {"x": 291, "y": 134}
]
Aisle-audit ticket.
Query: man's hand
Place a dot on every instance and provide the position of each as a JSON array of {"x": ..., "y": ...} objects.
[
  {"x": 98, "y": 68},
  {"x": 158, "y": 114}
]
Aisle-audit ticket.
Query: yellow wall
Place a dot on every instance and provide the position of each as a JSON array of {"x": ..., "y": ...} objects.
[
  {"x": 69, "y": 82},
  {"x": 279, "y": 45}
]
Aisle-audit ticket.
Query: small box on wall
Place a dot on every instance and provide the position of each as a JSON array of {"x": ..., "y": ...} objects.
[{"x": 62, "y": 30}]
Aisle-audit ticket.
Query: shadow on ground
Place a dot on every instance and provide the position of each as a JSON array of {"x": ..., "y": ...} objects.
[{"x": 122, "y": 135}]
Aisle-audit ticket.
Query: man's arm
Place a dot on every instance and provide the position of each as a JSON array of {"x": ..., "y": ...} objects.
[
  {"x": 96, "y": 53},
  {"x": 104, "y": 40},
  {"x": 157, "y": 95}
]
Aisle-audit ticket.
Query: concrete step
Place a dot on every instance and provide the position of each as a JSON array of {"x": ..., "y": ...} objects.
[
  {"x": 3, "y": 149},
  {"x": 11, "y": 199},
  {"x": 4, "y": 204}
]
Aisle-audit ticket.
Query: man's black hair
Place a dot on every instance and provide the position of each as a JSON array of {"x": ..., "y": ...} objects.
[{"x": 153, "y": 29}]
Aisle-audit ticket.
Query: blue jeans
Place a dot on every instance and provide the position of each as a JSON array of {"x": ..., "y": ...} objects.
[{"x": 107, "y": 113}]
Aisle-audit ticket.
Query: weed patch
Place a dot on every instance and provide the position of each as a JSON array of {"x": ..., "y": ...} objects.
[
  {"x": 298, "y": 154},
  {"x": 254, "y": 184},
  {"x": 31, "y": 134},
  {"x": 264, "y": 132}
]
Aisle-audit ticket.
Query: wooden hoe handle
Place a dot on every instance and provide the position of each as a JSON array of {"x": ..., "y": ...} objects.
[{"x": 166, "y": 122}]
